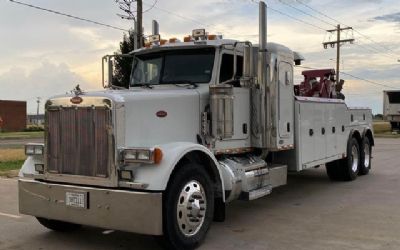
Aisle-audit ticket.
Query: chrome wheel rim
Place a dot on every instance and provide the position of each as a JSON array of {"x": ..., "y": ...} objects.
[
  {"x": 367, "y": 155},
  {"x": 354, "y": 157},
  {"x": 191, "y": 208}
]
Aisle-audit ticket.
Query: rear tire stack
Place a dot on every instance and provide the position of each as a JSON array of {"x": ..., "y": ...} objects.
[{"x": 357, "y": 162}]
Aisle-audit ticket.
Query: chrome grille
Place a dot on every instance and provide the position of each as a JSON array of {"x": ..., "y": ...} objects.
[{"x": 78, "y": 141}]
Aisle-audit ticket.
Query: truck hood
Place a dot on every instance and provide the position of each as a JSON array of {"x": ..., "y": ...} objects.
[{"x": 151, "y": 117}]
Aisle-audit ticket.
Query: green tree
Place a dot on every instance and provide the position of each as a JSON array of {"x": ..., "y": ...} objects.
[{"x": 123, "y": 65}]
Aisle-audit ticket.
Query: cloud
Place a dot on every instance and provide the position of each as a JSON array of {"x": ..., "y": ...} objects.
[
  {"x": 46, "y": 80},
  {"x": 394, "y": 17}
]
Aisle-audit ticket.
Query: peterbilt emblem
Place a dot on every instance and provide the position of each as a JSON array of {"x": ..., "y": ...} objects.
[
  {"x": 161, "y": 114},
  {"x": 76, "y": 100}
]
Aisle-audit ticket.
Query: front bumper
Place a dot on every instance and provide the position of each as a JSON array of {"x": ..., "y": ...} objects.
[{"x": 137, "y": 212}]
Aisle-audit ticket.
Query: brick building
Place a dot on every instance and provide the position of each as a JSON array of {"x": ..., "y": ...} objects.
[{"x": 13, "y": 116}]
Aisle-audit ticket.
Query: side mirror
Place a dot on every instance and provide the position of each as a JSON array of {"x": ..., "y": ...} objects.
[{"x": 107, "y": 70}]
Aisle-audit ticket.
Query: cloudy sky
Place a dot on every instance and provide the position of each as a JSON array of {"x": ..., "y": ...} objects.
[{"x": 43, "y": 54}]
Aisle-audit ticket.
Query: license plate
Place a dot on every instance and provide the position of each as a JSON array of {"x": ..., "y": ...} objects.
[{"x": 77, "y": 200}]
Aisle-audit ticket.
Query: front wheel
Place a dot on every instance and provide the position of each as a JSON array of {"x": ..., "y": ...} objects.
[{"x": 188, "y": 207}]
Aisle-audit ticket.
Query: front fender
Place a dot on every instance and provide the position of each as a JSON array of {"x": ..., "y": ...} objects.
[
  {"x": 157, "y": 176},
  {"x": 28, "y": 168}
]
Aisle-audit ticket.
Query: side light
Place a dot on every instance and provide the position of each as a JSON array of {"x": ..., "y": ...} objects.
[
  {"x": 173, "y": 40},
  {"x": 187, "y": 39},
  {"x": 212, "y": 37},
  {"x": 157, "y": 155},
  {"x": 34, "y": 149}
]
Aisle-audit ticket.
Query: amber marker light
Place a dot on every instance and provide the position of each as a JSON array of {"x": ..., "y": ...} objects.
[{"x": 157, "y": 155}]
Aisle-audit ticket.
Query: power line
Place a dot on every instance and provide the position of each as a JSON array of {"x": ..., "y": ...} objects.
[
  {"x": 356, "y": 77},
  {"x": 290, "y": 16},
  {"x": 358, "y": 32},
  {"x": 305, "y": 13},
  {"x": 152, "y": 6},
  {"x": 68, "y": 15},
  {"x": 372, "y": 82},
  {"x": 177, "y": 15}
]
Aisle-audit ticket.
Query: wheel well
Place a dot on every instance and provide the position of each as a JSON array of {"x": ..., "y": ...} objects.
[
  {"x": 370, "y": 137},
  {"x": 202, "y": 159},
  {"x": 356, "y": 134}
]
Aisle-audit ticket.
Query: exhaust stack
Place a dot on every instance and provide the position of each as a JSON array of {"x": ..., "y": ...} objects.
[{"x": 262, "y": 74}]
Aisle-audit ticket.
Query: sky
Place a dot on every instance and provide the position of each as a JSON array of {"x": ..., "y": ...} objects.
[{"x": 43, "y": 54}]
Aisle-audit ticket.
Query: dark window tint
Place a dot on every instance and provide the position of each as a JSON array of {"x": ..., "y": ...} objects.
[
  {"x": 227, "y": 67},
  {"x": 394, "y": 97}
]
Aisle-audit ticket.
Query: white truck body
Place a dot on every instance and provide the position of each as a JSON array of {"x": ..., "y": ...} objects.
[
  {"x": 239, "y": 138},
  {"x": 391, "y": 108}
]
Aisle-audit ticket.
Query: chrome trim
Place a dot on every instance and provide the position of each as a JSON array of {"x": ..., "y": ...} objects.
[
  {"x": 125, "y": 210},
  {"x": 60, "y": 103}
]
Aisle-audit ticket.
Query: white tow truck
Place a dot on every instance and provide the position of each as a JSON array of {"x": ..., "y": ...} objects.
[{"x": 204, "y": 122}]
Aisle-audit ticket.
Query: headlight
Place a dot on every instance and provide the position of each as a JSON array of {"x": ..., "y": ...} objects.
[
  {"x": 34, "y": 149},
  {"x": 141, "y": 155}
]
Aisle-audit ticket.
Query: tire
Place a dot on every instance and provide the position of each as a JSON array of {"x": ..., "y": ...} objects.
[
  {"x": 351, "y": 165},
  {"x": 185, "y": 227},
  {"x": 334, "y": 170},
  {"x": 366, "y": 156},
  {"x": 395, "y": 125},
  {"x": 59, "y": 226}
]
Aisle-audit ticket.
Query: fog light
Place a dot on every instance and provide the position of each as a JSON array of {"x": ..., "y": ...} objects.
[
  {"x": 39, "y": 168},
  {"x": 126, "y": 174}
]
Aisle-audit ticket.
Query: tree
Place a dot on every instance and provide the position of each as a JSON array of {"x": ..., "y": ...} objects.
[{"x": 123, "y": 65}]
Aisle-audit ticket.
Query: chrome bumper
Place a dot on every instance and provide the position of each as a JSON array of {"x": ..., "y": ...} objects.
[{"x": 136, "y": 212}]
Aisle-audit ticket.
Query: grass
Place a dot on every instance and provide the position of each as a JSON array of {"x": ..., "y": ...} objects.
[
  {"x": 21, "y": 135},
  {"x": 384, "y": 130},
  {"x": 11, "y": 161},
  {"x": 382, "y": 127}
]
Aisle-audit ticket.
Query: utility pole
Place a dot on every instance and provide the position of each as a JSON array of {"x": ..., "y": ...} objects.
[
  {"x": 337, "y": 43},
  {"x": 37, "y": 111},
  {"x": 126, "y": 6},
  {"x": 139, "y": 23}
]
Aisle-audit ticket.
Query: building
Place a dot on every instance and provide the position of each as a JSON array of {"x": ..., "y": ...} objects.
[
  {"x": 12, "y": 116},
  {"x": 35, "y": 119}
]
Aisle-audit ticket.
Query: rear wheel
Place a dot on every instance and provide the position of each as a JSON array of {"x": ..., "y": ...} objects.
[
  {"x": 188, "y": 208},
  {"x": 334, "y": 170},
  {"x": 365, "y": 160},
  {"x": 346, "y": 169},
  {"x": 59, "y": 226},
  {"x": 351, "y": 165}
]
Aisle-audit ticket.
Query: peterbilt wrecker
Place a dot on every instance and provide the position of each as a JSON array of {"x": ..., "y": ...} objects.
[{"x": 204, "y": 122}]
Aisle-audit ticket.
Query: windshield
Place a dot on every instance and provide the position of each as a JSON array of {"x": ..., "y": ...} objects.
[{"x": 173, "y": 66}]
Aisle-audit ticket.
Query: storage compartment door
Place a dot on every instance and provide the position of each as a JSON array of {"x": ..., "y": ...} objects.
[{"x": 285, "y": 102}]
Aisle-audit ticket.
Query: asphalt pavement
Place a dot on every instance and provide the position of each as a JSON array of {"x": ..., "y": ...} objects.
[
  {"x": 310, "y": 212},
  {"x": 11, "y": 143}
]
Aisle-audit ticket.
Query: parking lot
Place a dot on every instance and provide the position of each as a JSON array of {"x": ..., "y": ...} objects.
[{"x": 311, "y": 212}]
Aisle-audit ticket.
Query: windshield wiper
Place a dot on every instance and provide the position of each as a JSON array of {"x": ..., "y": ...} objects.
[{"x": 186, "y": 82}]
